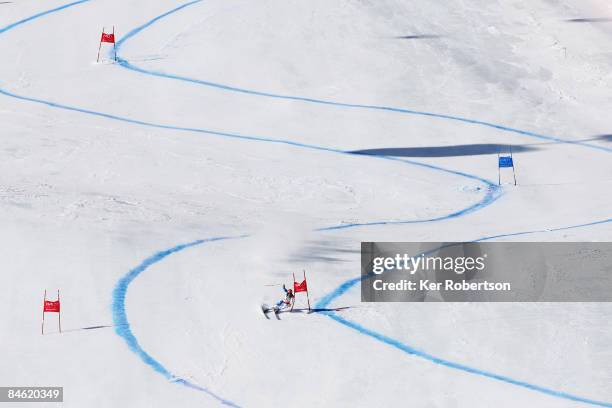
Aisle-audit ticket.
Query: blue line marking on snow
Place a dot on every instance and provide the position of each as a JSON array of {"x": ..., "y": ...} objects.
[
  {"x": 513, "y": 234},
  {"x": 123, "y": 328},
  {"x": 119, "y": 314},
  {"x": 324, "y": 303},
  {"x": 492, "y": 191},
  {"x": 122, "y": 324},
  {"x": 41, "y": 14},
  {"x": 450, "y": 364},
  {"x": 126, "y": 64},
  {"x": 136, "y": 30}
]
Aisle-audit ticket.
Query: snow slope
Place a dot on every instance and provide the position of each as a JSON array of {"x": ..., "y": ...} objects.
[{"x": 233, "y": 119}]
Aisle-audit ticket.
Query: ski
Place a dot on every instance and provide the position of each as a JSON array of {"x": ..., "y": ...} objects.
[{"x": 265, "y": 310}]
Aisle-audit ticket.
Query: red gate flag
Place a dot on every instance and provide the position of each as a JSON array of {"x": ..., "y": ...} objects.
[
  {"x": 108, "y": 38},
  {"x": 300, "y": 287},
  {"x": 51, "y": 306}
]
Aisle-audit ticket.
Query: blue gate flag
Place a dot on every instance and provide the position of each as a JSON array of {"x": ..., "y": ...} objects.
[{"x": 505, "y": 161}]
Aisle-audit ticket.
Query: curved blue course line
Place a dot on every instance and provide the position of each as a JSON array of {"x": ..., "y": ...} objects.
[
  {"x": 120, "y": 320},
  {"x": 126, "y": 64},
  {"x": 492, "y": 191},
  {"x": 41, "y": 14},
  {"x": 324, "y": 302}
]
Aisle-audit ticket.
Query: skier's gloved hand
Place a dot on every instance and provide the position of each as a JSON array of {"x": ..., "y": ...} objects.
[{"x": 284, "y": 288}]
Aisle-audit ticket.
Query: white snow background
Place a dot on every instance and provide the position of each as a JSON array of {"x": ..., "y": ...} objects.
[{"x": 101, "y": 167}]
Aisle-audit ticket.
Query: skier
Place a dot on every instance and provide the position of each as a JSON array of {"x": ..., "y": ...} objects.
[{"x": 286, "y": 302}]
